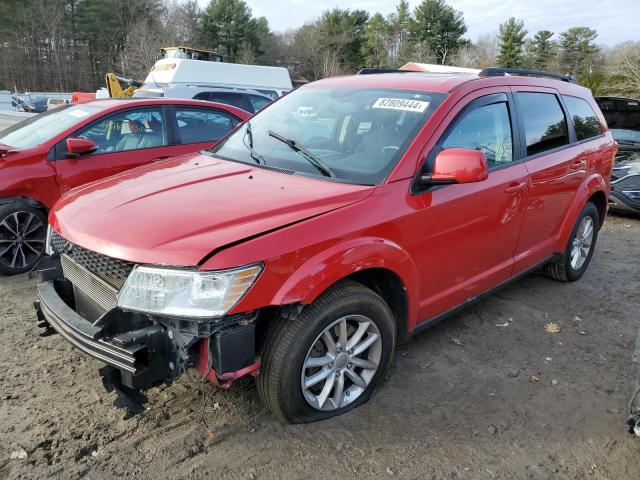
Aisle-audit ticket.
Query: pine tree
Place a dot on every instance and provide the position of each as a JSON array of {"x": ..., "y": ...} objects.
[
  {"x": 399, "y": 21},
  {"x": 375, "y": 47},
  {"x": 577, "y": 47},
  {"x": 543, "y": 49},
  {"x": 512, "y": 35},
  {"x": 439, "y": 28}
]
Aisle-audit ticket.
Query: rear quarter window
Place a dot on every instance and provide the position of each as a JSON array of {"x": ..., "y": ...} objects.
[
  {"x": 545, "y": 125},
  {"x": 585, "y": 120}
]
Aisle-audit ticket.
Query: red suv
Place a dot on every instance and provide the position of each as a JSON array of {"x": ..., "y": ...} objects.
[
  {"x": 337, "y": 221},
  {"x": 51, "y": 153}
]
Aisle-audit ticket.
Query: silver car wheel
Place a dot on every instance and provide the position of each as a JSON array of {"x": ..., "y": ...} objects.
[
  {"x": 341, "y": 363},
  {"x": 582, "y": 242}
]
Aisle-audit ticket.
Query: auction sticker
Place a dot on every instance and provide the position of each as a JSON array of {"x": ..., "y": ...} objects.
[{"x": 405, "y": 104}]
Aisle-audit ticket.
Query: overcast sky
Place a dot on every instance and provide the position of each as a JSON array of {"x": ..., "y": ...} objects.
[{"x": 615, "y": 20}]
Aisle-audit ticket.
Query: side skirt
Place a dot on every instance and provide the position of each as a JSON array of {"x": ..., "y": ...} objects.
[{"x": 426, "y": 324}]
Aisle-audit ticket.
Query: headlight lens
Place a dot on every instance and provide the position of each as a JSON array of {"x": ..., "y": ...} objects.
[{"x": 185, "y": 293}]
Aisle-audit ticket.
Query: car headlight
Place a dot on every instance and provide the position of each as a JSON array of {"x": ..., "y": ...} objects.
[{"x": 186, "y": 293}]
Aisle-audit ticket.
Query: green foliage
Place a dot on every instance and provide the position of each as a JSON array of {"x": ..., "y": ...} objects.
[
  {"x": 543, "y": 50},
  {"x": 375, "y": 47},
  {"x": 512, "y": 38},
  {"x": 105, "y": 24},
  {"x": 594, "y": 81},
  {"x": 577, "y": 49},
  {"x": 400, "y": 47},
  {"x": 342, "y": 32},
  {"x": 231, "y": 28},
  {"x": 439, "y": 28}
]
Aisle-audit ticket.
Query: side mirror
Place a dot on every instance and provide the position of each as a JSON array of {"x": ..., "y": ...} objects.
[
  {"x": 457, "y": 165},
  {"x": 80, "y": 146}
]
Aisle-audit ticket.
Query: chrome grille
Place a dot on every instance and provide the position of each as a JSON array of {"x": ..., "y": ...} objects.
[
  {"x": 111, "y": 270},
  {"x": 93, "y": 295}
]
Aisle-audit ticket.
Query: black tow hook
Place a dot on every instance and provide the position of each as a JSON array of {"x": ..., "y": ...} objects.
[
  {"x": 47, "y": 329},
  {"x": 128, "y": 399},
  {"x": 632, "y": 425}
]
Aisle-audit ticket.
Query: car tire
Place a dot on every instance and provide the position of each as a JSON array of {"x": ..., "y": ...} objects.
[
  {"x": 23, "y": 231},
  {"x": 573, "y": 262},
  {"x": 291, "y": 345}
]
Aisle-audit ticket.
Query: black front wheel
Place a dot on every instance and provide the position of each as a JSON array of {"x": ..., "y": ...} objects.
[
  {"x": 23, "y": 231},
  {"x": 328, "y": 359}
]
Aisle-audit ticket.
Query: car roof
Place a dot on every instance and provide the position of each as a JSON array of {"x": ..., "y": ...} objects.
[
  {"x": 445, "y": 82},
  {"x": 206, "y": 88},
  {"x": 116, "y": 103}
]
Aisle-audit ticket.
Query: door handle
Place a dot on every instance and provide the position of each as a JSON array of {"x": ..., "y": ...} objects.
[
  {"x": 161, "y": 158},
  {"x": 515, "y": 188}
]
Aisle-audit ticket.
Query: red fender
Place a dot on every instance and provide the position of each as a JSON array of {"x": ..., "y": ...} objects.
[{"x": 341, "y": 260}]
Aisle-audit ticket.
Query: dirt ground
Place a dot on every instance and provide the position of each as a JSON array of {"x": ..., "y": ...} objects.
[{"x": 487, "y": 394}]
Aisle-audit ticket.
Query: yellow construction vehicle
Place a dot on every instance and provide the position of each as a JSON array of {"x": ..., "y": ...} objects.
[{"x": 114, "y": 85}]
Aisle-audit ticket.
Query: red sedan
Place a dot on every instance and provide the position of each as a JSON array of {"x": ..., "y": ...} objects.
[{"x": 45, "y": 156}]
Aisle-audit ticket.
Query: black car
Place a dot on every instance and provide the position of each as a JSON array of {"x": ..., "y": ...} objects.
[{"x": 623, "y": 117}]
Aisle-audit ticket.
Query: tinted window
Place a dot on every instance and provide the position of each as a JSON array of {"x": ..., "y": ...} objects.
[
  {"x": 258, "y": 103},
  {"x": 197, "y": 125},
  {"x": 131, "y": 129},
  {"x": 545, "y": 126},
  {"x": 584, "y": 118},
  {"x": 487, "y": 129},
  {"x": 228, "y": 98}
]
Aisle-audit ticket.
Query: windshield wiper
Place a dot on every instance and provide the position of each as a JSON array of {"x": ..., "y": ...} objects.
[
  {"x": 259, "y": 159},
  {"x": 311, "y": 158}
]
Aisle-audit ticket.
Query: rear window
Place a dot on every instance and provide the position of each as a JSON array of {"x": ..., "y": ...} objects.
[
  {"x": 545, "y": 125},
  {"x": 584, "y": 118},
  {"x": 228, "y": 98}
]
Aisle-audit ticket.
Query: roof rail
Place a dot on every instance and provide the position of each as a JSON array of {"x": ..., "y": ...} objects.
[
  {"x": 370, "y": 70},
  {"x": 501, "y": 72}
]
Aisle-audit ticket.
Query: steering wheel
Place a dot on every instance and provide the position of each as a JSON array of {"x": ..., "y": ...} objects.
[{"x": 390, "y": 148}]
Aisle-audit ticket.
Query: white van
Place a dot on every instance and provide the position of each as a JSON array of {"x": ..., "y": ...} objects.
[{"x": 270, "y": 81}]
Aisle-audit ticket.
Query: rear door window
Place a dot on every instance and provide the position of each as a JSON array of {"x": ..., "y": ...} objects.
[
  {"x": 197, "y": 125},
  {"x": 545, "y": 125},
  {"x": 585, "y": 121},
  {"x": 258, "y": 103},
  {"x": 228, "y": 98}
]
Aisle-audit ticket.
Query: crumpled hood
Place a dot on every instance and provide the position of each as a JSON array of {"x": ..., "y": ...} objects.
[{"x": 178, "y": 211}]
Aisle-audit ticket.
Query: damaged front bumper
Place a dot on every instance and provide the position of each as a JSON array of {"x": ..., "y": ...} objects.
[{"x": 147, "y": 350}]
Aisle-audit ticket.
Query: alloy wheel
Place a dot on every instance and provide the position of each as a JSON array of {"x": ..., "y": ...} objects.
[
  {"x": 22, "y": 238},
  {"x": 341, "y": 363},
  {"x": 582, "y": 242}
]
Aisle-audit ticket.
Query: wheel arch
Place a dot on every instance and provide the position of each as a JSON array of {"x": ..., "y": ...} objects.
[
  {"x": 26, "y": 200},
  {"x": 594, "y": 188},
  {"x": 378, "y": 264}
]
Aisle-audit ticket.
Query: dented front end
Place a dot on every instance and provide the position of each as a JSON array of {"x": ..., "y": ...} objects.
[{"x": 77, "y": 292}]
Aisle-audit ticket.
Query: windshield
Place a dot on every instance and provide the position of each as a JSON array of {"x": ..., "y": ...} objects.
[
  {"x": 623, "y": 135},
  {"x": 42, "y": 127},
  {"x": 358, "y": 133}
]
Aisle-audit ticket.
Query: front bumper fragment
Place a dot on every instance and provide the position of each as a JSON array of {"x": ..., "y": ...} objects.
[{"x": 143, "y": 356}]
